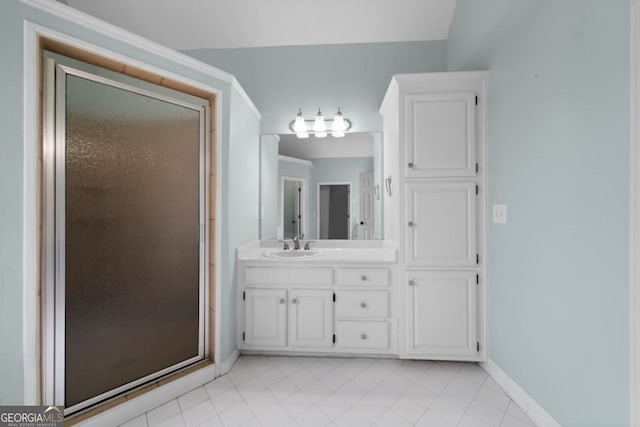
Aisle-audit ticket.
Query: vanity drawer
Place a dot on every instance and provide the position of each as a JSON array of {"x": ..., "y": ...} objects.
[
  {"x": 362, "y": 304},
  {"x": 289, "y": 276},
  {"x": 363, "y": 276},
  {"x": 371, "y": 335}
]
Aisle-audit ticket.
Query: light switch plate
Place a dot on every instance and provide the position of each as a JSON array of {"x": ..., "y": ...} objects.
[{"x": 499, "y": 214}]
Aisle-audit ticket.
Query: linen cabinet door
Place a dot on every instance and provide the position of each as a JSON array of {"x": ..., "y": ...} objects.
[
  {"x": 440, "y": 131},
  {"x": 441, "y": 224},
  {"x": 311, "y": 318},
  {"x": 442, "y": 315},
  {"x": 265, "y": 317}
]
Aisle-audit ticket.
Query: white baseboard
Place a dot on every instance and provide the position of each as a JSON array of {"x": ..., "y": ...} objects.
[
  {"x": 152, "y": 399},
  {"x": 226, "y": 366},
  {"x": 534, "y": 411}
]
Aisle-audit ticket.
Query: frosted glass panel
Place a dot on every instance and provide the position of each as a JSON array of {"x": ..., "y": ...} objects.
[{"x": 131, "y": 232}]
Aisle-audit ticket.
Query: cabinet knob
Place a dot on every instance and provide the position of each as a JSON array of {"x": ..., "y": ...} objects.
[
  {"x": 294, "y": 301},
  {"x": 281, "y": 300},
  {"x": 363, "y": 304},
  {"x": 363, "y": 336},
  {"x": 363, "y": 278},
  {"x": 410, "y": 165},
  {"x": 411, "y": 224},
  {"x": 411, "y": 282}
]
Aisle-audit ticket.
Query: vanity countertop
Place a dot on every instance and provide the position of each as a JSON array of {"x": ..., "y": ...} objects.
[{"x": 324, "y": 253}]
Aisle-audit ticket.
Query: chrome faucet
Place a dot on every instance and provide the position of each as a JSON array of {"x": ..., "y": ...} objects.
[
  {"x": 286, "y": 245},
  {"x": 296, "y": 243},
  {"x": 306, "y": 245}
]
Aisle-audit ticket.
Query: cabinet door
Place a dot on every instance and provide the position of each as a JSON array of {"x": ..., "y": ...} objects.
[
  {"x": 442, "y": 314},
  {"x": 440, "y": 134},
  {"x": 311, "y": 318},
  {"x": 441, "y": 224},
  {"x": 265, "y": 317}
]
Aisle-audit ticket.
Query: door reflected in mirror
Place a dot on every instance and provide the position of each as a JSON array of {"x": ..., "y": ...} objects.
[
  {"x": 321, "y": 188},
  {"x": 334, "y": 211},
  {"x": 292, "y": 207}
]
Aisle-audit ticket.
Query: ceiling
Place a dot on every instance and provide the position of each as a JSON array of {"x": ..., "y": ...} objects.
[{"x": 199, "y": 24}]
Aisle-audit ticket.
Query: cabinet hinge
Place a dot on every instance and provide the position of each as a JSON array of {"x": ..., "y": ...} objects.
[
  {"x": 476, "y": 99},
  {"x": 334, "y": 338},
  {"x": 477, "y": 258},
  {"x": 477, "y": 189},
  {"x": 477, "y": 279},
  {"x": 478, "y": 347},
  {"x": 334, "y": 297},
  {"x": 244, "y": 295},
  {"x": 477, "y": 168},
  {"x": 243, "y": 336}
]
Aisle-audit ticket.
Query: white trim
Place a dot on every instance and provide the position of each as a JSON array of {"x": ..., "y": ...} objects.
[
  {"x": 529, "y": 406},
  {"x": 152, "y": 399},
  {"x": 226, "y": 366},
  {"x": 634, "y": 223},
  {"x": 236, "y": 85},
  {"x": 295, "y": 160},
  {"x": 31, "y": 256},
  {"x": 219, "y": 219},
  {"x": 98, "y": 25},
  {"x": 30, "y": 252}
]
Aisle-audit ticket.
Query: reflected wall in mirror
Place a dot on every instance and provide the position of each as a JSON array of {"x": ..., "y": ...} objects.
[{"x": 330, "y": 187}]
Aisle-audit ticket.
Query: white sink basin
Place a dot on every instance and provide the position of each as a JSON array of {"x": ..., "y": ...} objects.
[{"x": 291, "y": 254}]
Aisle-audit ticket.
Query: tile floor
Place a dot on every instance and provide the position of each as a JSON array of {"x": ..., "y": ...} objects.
[{"x": 305, "y": 391}]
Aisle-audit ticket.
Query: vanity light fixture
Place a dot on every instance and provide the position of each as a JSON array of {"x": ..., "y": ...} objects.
[{"x": 303, "y": 128}]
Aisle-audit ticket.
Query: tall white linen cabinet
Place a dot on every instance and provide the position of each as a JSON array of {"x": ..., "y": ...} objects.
[{"x": 434, "y": 209}]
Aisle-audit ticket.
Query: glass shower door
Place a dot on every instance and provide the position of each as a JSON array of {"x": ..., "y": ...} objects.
[{"x": 129, "y": 207}]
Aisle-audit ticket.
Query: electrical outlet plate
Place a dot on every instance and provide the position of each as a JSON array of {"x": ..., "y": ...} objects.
[{"x": 499, "y": 214}]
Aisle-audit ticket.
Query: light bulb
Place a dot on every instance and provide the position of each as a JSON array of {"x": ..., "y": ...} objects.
[
  {"x": 338, "y": 123},
  {"x": 337, "y": 134},
  {"x": 302, "y": 135},
  {"x": 321, "y": 134},
  {"x": 299, "y": 126},
  {"x": 319, "y": 125}
]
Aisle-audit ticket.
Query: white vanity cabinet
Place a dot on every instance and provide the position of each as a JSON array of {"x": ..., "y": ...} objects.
[
  {"x": 434, "y": 130},
  {"x": 265, "y": 317},
  {"x": 441, "y": 224},
  {"x": 342, "y": 308},
  {"x": 442, "y": 313},
  {"x": 363, "y": 309},
  {"x": 440, "y": 134},
  {"x": 311, "y": 318}
]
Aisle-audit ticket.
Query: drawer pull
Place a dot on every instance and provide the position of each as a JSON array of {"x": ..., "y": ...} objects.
[
  {"x": 363, "y": 304},
  {"x": 363, "y": 336},
  {"x": 281, "y": 300},
  {"x": 411, "y": 224},
  {"x": 363, "y": 278},
  {"x": 294, "y": 301}
]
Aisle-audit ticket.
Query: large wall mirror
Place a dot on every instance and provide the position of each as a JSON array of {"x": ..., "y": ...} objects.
[{"x": 321, "y": 188}]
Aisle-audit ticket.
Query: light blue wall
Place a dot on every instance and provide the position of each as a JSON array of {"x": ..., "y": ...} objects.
[
  {"x": 343, "y": 169},
  {"x": 243, "y": 172},
  {"x": 11, "y": 174},
  {"x": 558, "y": 283},
  {"x": 269, "y": 184},
  {"x": 352, "y": 76}
]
